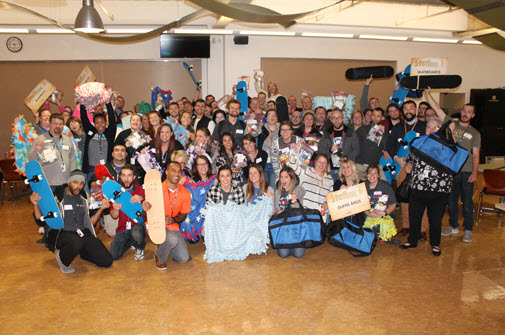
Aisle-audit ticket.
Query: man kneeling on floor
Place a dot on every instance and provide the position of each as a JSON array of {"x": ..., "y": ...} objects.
[
  {"x": 177, "y": 202},
  {"x": 128, "y": 232},
  {"x": 77, "y": 237}
]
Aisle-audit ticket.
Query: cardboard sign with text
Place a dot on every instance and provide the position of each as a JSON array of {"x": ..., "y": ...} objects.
[
  {"x": 349, "y": 201},
  {"x": 86, "y": 76},
  {"x": 429, "y": 66},
  {"x": 39, "y": 95}
]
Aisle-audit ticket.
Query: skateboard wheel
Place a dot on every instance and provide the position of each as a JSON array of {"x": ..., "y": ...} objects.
[
  {"x": 39, "y": 177},
  {"x": 42, "y": 219},
  {"x": 123, "y": 189},
  {"x": 112, "y": 200},
  {"x": 55, "y": 215},
  {"x": 26, "y": 181},
  {"x": 135, "y": 220}
]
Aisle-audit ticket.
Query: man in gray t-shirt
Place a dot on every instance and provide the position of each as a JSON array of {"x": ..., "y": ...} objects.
[{"x": 463, "y": 183}]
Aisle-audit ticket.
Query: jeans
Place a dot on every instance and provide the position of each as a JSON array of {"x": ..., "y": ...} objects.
[
  {"x": 461, "y": 186},
  {"x": 296, "y": 252},
  {"x": 174, "y": 245},
  {"x": 270, "y": 176},
  {"x": 124, "y": 240},
  {"x": 334, "y": 174},
  {"x": 88, "y": 177},
  {"x": 89, "y": 247}
]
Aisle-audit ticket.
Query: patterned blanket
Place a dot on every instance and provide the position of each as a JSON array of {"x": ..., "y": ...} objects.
[{"x": 233, "y": 232}]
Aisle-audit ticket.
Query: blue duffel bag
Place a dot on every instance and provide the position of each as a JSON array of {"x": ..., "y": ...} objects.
[
  {"x": 360, "y": 242},
  {"x": 296, "y": 228},
  {"x": 440, "y": 151}
]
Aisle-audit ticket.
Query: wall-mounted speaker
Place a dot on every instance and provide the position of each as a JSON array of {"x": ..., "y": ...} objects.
[{"x": 241, "y": 39}]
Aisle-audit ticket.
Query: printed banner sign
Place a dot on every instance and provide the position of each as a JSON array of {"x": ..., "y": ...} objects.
[
  {"x": 86, "y": 76},
  {"x": 39, "y": 95},
  {"x": 429, "y": 66},
  {"x": 349, "y": 201}
]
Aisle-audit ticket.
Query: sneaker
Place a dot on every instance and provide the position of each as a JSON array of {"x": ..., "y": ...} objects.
[
  {"x": 159, "y": 264},
  {"x": 63, "y": 268},
  {"x": 468, "y": 236},
  {"x": 450, "y": 231},
  {"x": 138, "y": 254}
]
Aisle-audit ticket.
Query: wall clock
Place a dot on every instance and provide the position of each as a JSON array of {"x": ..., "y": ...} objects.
[{"x": 14, "y": 44}]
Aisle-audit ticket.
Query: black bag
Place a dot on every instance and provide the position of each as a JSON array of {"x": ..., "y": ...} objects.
[
  {"x": 360, "y": 242},
  {"x": 296, "y": 228},
  {"x": 402, "y": 192}
]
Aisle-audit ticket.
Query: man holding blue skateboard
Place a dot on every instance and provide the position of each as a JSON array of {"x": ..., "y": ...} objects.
[
  {"x": 77, "y": 237},
  {"x": 128, "y": 233}
]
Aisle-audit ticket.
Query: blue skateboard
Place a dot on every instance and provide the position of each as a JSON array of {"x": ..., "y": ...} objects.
[
  {"x": 190, "y": 70},
  {"x": 401, "y": 93},
  {"x": 404, "y": 149},
  {"x": 115, "y": 193},
  {"x": 242, "y": 97},
  {"x": 47, "y": 204},
  {"x": 390, "y": 168}
]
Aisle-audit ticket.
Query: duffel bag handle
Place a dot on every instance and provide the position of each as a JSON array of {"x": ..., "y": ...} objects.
[
  {"x": 302, "y": 209},
  {"x": 447, "y": 135}
]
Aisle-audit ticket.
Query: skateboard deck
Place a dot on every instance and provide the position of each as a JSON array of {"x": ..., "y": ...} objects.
[
  {"x": 102, "y": 173},
  {"x": 390, "y": 168},
  {"x": 400, "y": 93},
  {"x": 281, "y": 106},
  {"x": 115, "y": 193},
  {"x": 190, "y": 70},
  {"x": 47, "y": 204},
  {"x": 404, "y": 149},
  {"x": 242, "y": 96},
  {"x": 433, "y": 81},
  {"x": 360, "y": 73},
  {"x": 156, "y": 215}
]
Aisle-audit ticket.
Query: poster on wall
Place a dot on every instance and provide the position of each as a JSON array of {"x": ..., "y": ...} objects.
[
  {"x": 86, "y": 76},
  {"x": 39, "y": 94},
  {"x": 349, "y": 201},
  {"x": 429, "y": 66}
]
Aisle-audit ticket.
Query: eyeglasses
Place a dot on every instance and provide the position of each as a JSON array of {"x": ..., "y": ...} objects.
[
  {"x": 433, "y": 127},
  {"x": 285, "y": 129}
]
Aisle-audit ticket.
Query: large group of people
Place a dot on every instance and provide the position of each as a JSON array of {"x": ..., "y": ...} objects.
[{"x": 224, "y": 157}]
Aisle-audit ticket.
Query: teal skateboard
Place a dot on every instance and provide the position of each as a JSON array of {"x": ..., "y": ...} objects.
[
  {"x": 404, "y": 149},
  {"x": 47, "y": 204},
  {"x": 117, "y": 194},
  {"x": 190, "y": 70},
  {"x": 390, "y": 167},
  {"x": 242, "y": 97}
]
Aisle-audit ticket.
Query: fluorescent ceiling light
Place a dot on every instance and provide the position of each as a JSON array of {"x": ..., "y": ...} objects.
[
  {"x": 54, "y": 31},
  {"x": 202, "y": 31},
  {"x": 471, "y": 42},
  {"x": 382, "y": 37},
  {"x": 436, "y": 40},
  {"x": 266, "y": 33},
  {"x": 127, "y": 30},
  {"x": 14, "y": 30},
  {"x": 327, "y": 35}
]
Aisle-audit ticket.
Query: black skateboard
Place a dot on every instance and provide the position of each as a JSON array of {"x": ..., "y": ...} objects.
[
  {"x": 357, "y": 73},
  {"x": 281, "y": 106},
  {"x": 433, "y": 81}
]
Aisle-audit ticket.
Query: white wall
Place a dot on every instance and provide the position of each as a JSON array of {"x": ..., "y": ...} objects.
[{"x": 480, "y": 66}]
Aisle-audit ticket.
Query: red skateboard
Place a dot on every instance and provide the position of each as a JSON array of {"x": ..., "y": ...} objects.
[{"x": 102, "y": 173}]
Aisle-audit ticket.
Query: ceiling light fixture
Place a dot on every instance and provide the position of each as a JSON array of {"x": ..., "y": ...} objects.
[
  {"x": 384, "y": 37},
  {"x": 435, "y": 40},
  {"x": 88, "y": 20}
]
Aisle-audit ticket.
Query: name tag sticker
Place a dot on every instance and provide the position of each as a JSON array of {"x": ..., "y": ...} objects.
[
  {"x": 240, "y": 131},
  {"x": 377, "y": 193},
  {"x": 102, "y": 161},
  {"x": 79, "y": 232},
  {"x": 65, "y": 147},
  {"x": 128, "y": 225},
  {"x": 467, "y": 135},
  {"x": 90, "y": 133},
  {"x": 259, "y": 160},
  {"x": 68, "y": 207}
]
